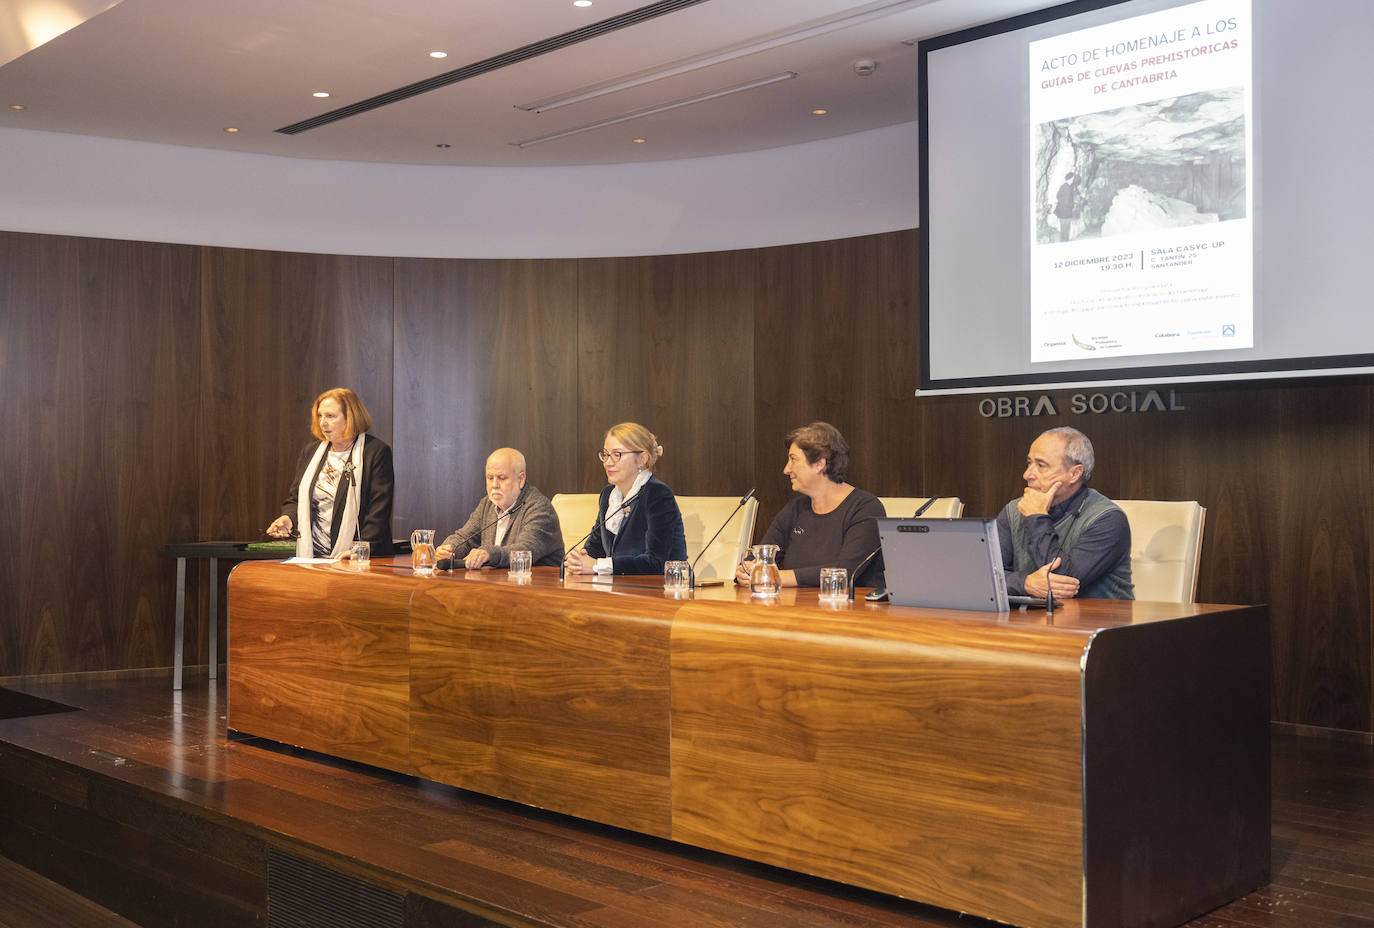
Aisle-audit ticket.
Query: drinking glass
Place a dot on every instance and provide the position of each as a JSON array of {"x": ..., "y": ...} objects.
[
  {"x": 520, "y": 562},
  {"x": 361, "y": 555},
  {"x": 677, "y": 576},
  {"x": 834, "y": 583}
]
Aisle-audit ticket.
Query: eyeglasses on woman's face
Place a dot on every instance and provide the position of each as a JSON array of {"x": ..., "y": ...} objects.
[{"x": 614, "y": 456}]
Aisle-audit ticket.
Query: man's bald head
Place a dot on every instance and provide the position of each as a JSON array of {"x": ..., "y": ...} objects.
[
  {"x": 507, "y": 457},
  {"x": 505, "y": 477}
]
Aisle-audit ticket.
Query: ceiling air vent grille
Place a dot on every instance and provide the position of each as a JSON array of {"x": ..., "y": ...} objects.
[{"x": 505, "y": 59}]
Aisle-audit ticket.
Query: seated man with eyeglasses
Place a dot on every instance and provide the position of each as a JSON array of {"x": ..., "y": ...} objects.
[{"x": 638, "y": 524}]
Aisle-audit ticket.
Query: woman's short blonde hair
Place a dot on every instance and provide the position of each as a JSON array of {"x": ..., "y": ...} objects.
[
  {"x": 636, "y": 437},
  {"x": 356, "y": 419}
]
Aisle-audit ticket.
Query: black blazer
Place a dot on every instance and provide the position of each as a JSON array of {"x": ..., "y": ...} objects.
[
  {"x": 375, "y": 491},
  {"x": 650, "y": 535}
]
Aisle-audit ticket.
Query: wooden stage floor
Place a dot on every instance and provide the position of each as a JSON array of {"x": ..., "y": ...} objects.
[{"x": 139, "y": 803}]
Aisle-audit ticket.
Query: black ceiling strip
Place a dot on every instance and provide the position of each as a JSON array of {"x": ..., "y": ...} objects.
[{"x": 523, "y": 53}]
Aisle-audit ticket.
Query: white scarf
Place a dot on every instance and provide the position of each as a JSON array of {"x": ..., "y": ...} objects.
[
  {"x": 305, "y": 547},
  {"x": 618, "y": 514}
]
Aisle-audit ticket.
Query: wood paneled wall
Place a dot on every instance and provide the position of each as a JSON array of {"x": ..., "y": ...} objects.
[
  {"x": 279, "y": 329},
  {"x": 669, "y": 342},
  {"x": 486, "y": 357},
  {"x": 100, "y": 379},
  {"x": 156, "y": 393}
]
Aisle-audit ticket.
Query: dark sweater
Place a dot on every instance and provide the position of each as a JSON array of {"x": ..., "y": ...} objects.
[{"x": 840, "y": 538}]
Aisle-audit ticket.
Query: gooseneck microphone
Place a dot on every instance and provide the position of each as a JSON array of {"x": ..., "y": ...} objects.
[
  {"x": 692, "y": 567},
  {"x": 923, "y": 507},
  {"x": 446, "y": 563},
  {"x": 563, "y": 564},
  {"x": 854, "y": 577}
]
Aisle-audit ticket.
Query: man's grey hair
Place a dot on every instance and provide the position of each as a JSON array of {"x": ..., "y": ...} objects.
[{"x": 1077, "y": 448}]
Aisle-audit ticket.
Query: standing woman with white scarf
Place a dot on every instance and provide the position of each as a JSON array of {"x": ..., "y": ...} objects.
[{"x": 343, "y": 486}]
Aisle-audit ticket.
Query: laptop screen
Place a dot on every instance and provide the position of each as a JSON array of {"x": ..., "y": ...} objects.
[{"x": 944, "y": 563}]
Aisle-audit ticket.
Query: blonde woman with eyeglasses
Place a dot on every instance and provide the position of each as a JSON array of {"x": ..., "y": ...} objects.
[{"x": 638, "y": 525}]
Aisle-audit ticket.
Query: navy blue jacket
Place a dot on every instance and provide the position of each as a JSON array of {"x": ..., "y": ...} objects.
[{"x": 650, "y": 535}]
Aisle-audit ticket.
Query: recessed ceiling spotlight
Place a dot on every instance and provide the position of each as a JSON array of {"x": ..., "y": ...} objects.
[
  {"x": 320, "y": 93},
  {"x": 582, "y": 2},
  {"x": 231, "y": 128},
  {"x": 443, "y": 145},
  {"x": 438, "y": 54},
  {"x": 639, "y": 141},
  {"x": 18, "y": 106},
  {"x": 819, "y": 112}
]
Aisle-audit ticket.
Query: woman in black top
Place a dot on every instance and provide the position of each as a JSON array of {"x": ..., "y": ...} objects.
[{"x": 831, "y": 524}]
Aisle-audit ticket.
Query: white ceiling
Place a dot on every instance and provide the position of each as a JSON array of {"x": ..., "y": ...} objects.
[{"x": 180, "y": 71}]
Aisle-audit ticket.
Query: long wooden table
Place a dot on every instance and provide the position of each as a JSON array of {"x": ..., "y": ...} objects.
[{"x": 1106, "y": 766}]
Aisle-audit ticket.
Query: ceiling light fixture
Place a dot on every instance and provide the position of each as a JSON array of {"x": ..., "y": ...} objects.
[
  {"x": 819, "y": 112},
  {"x": 730, "y": 53},
  {"x": 582, "y": 2},
  {"x": 442, "y": 145},
  {"x": 27, "y": 24},
  {"x": 438, "y": 54},
  {"x": 662, "y": 107},
  {"x": 231, "y": 128},
  {"x": 18, "y": 106},
  {"x": 320, "y": 93},
  {"x": 639, "y": 141}
]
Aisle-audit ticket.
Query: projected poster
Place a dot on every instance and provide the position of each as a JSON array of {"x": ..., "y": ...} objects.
[{"x": 1141, "y": 237}]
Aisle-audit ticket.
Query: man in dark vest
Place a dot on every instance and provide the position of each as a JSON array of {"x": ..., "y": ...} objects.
[{"x": 1061, "y": 534}]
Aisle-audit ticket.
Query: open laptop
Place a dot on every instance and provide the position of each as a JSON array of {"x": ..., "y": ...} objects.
[{"x": 944, "y": 563}]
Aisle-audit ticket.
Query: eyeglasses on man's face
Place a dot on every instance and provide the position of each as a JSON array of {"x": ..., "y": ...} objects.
[{"x": 614, "y": 455}]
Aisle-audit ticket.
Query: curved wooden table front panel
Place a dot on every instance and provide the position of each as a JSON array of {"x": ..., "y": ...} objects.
[
  {"x": 932, "y": 754},
  {"x": 557, "y": 700},
  {"x": 322, "y": 661},
  {"x": 917, "y": 756}
]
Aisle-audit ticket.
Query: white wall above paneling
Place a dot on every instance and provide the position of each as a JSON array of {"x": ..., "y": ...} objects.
[{"x": 83, "y": 185}]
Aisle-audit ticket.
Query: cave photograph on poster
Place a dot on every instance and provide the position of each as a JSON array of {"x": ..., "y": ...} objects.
[{"x": 1178, "y": 161}]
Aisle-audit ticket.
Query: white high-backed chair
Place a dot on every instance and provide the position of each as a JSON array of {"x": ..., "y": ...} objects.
[
  {"x": 576, "y": 513},
  {"x": 1166, "y": 548},
  {"x": 901, "y": 507},
  {"x": 701, "y": 516}
]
